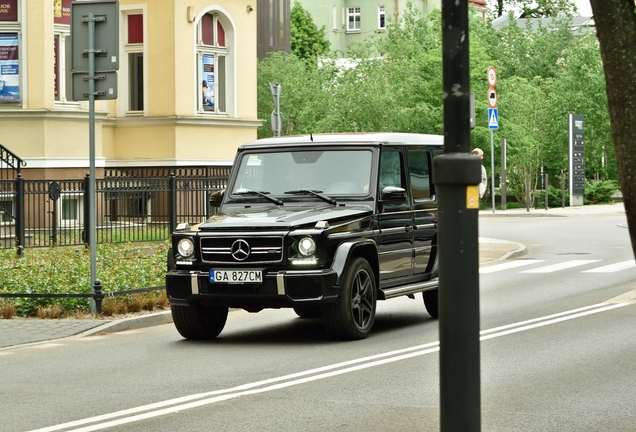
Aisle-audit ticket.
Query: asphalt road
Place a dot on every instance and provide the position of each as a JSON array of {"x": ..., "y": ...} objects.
[{"x": 556, "y": 356}]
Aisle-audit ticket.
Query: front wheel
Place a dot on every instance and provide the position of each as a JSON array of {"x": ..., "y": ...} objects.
[
  {"x": 352, "y": 315},
  {"x": 199, "y": 322}
]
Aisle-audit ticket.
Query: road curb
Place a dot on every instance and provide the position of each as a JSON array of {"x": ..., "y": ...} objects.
[
  {"x": 521, "y": 250},
  {"x": 132, "y": 323}
]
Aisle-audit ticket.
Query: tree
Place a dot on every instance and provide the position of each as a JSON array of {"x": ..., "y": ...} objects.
[
  {"x": 307, "y": 41},
  {"x": 616, "y": 29},
  {"x": 534, "y": 8}
]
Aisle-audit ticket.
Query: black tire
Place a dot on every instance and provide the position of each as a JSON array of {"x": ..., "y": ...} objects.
[
  {"x": 308, "y": 311},
  {"x": 431, "y": 300},
  {"x": 352, "y": 315},
  {"x": 199, "y": 322}
]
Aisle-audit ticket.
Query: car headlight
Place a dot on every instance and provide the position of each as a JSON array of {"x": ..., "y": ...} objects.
[
  {"x": 186, "y": 247},
  {"x": 306, "y": 246}
]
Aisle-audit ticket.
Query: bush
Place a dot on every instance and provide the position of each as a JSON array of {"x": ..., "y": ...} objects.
[
  {"x": 66, "y": 270},
  {"x": 599, "y": 192}
]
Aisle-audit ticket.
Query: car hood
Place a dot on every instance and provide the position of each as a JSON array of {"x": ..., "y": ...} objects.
[{"x": 282, "y": 218}]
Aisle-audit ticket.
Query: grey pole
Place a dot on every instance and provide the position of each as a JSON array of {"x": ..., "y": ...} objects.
[
  {"x": 456, "y": 174},
  {"x": 502, "y": 181},
  {"x": 492, "y": 168},
  {"x": 92, "y": 232}
]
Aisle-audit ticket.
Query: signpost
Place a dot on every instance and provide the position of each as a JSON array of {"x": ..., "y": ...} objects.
[
  {"x": 95, "y": 61},
  {"x": 493, "y": 124},
  {"x": 277, "y": 121}
]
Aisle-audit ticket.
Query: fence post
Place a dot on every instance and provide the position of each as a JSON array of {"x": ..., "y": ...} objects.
[
  {"x": 172, "y": 202},
  {"x": 87, "y": 219},
  {"x": 98, "y": 296},
  {"x": 20, "y": 221}
]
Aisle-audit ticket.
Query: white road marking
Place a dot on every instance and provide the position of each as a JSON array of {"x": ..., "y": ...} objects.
[
  {"x": 612, "y": 268},
  {"x": 508, "y": 265},
  {"x": 561, "y": 266},
  {"x": 197, "y": 400}
]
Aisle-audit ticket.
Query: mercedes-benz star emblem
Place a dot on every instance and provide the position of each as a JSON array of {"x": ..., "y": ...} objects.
[{"x": 240, "y": 250}]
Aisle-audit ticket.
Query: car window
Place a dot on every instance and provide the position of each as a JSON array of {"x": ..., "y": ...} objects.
[
  {"x": 334, "y": 172},
  {"x": 419, "y": 164}
]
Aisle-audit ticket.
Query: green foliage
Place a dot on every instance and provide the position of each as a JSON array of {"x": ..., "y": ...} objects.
[
  {"x": 599, "y": 192},
  {"x": 66, "y": 270},
  {"x": 393, "y": 82},
  {"x": 533, "y": 8},
  {"x": 307, "y": 41}
]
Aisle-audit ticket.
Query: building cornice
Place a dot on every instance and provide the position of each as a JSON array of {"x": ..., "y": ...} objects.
[{"x": 180, "y": 121}]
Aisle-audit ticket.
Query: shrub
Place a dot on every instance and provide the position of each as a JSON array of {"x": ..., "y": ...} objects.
[{"x": 598, "y": 192}]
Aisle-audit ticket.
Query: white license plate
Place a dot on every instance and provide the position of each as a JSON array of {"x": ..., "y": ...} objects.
[{"x": 236, "y": 276}]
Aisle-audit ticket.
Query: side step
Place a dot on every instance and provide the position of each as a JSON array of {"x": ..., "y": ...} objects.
[{"x": 410, "y": 289}]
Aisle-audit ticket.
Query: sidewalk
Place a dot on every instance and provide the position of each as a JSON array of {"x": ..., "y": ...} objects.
[{"x": 15, "y": 332}]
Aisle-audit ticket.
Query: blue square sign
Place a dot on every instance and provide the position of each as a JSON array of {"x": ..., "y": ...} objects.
[{"x": 493, "y": 118}]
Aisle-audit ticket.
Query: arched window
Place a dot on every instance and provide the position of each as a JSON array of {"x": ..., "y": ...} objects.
[{"x": 214, "y": 52}]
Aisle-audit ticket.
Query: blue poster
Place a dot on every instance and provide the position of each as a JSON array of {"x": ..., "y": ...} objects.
[
  {"x": 207, "y": 74},
  {"x": 9, "y": 68}
]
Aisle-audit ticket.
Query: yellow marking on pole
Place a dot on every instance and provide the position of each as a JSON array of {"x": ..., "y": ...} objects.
[{"x": 472, "y": 197}]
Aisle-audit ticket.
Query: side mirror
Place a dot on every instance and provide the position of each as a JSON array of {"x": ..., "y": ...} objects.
[
  {"x": 394, "y": 194},
  {"x": 216, "y": 197}
]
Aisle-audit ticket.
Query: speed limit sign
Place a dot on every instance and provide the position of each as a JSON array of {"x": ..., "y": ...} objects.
[{"x": 492, "y": 76}]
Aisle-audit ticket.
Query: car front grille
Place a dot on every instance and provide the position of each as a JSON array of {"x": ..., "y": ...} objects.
[{"x": 242, "y": 250}]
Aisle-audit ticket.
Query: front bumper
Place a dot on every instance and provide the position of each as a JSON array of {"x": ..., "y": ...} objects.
[{"x": 279, "y": 289}]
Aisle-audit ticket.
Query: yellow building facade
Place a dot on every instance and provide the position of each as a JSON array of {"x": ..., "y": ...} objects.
[{"x": 186, "y": 87}]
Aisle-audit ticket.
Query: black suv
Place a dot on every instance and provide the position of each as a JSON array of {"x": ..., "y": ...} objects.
[{"x": 324, "y": 224}]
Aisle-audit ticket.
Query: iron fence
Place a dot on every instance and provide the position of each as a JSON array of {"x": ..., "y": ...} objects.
[{"x": 44, "y": 213}]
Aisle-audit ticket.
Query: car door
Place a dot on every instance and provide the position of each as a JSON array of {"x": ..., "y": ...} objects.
[
  {"x": 419, "y": 160},
  {"x": 394, "y": 220}
]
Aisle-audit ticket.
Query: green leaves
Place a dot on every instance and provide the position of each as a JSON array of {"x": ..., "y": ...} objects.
[
  {"x": 307, "y": 41},
  {"x": 66, "y": 270},
  {"x": 393, "y": 82}
]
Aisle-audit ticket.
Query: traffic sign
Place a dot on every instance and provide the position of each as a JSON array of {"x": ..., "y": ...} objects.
[
  {"x": 493, "y": 118},
  {"x": 492, "y": 76},
  {"x": 492, "y": 97}
]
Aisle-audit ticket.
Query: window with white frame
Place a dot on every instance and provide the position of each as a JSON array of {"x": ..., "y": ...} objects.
[
  {"x": 381, "y": 18},
  {"x": 6, "y": 208},
  {"x": 134, "y": 49},
  {"x": 70, "y": 208},
  {"x": 62, "y": 78},
  {"x": 353, "y": 19},
  {"x": 212, "y": 64}
]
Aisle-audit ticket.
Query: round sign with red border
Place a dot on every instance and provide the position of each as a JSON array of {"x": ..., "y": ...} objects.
[
  {"x": 492, "y": 76},
  {"x": 492, "y": 97}
]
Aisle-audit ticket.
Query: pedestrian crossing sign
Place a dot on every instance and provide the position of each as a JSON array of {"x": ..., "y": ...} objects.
[{"x": 493, "y": 118}]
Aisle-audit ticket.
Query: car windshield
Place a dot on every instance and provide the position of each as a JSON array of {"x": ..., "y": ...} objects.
[{"x": 332, "y": 172}]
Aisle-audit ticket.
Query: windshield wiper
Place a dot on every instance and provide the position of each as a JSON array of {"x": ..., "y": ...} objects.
[
  {"x": 260, "y": 194},
  {"x": 315, "y": 193}
]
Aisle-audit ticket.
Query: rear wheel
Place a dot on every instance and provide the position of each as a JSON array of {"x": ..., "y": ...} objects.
[
  {"x": 352, "y": 315},
  {"x": 199, "y": 322},
  {"x": 431, "y": 297},
  {"x": 307, "y": 311}
]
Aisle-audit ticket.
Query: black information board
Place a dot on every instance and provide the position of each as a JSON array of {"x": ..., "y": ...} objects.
[{"x": 577, "y": 154}]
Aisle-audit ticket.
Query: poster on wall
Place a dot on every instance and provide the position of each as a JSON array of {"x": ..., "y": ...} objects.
[
  {"x": 207, "y": 74},
  {"x": 9, "y": 70},
  {"x": 62, "y": 11},
  {"x": 9, "y": 10}
]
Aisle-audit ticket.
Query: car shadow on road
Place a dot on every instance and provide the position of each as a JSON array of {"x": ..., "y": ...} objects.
[{"x": 307, "y": 331}]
